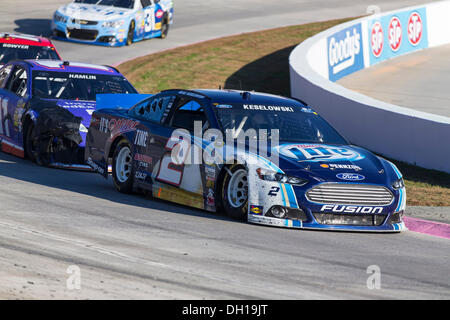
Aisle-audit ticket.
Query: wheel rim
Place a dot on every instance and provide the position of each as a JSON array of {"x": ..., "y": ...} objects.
[
  {"x": 237, "y": 190},
  {"x": 123, "y": 165}
]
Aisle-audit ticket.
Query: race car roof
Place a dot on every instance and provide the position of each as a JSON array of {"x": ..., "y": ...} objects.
[
  {"x": 25, "y": 39},
  {"x": 247, "y": 97},
  {"x": 75, "y": 67}
]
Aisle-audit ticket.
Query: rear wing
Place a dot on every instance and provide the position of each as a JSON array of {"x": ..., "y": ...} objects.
[{"x": 119, "y": 100}]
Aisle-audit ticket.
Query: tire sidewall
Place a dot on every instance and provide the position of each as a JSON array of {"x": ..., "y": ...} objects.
[
  {"x": 131, "y": 27},
  {"x": 165, "y": 24},
  {"x": 28, "y": 144},
  {"x": 127, "y": 186}
]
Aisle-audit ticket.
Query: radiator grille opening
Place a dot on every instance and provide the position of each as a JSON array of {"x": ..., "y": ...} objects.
[{"x": 351, "y": 194}]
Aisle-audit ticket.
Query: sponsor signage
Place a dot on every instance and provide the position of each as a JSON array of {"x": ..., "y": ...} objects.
[
  {"x": 345, "y": 52},
  {"x": 319, "y": 152},
  {"x": 397, "y": 34}
]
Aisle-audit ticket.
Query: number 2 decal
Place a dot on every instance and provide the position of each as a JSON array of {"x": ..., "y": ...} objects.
[
  {"x": 172, "y": 163},
  {"x": 274, "y": 191}
]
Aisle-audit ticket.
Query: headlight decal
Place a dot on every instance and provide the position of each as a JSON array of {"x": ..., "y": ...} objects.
[{"x": 83, "y": 128}]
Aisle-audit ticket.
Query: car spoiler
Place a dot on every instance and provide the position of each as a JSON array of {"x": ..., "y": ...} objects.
[{"x": 119, "y": 100}]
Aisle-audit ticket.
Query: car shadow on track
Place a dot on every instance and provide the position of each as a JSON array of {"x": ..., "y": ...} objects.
[
  {"x": 269, "y": 74},
  {"x": 89, "y": 184},
  {"x": 37, "y": 27}
]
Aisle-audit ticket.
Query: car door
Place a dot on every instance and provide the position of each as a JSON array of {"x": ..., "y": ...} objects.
[
  {"x": 181, "y": 166},
  {"x": 150, "y": 136},
  {"x": 14, "y": 95}
]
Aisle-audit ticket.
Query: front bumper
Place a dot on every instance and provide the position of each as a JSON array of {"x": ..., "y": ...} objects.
[
  {"x": 314, "y": 224},
  {"x": 89, "y": 34},
  {"x": 303, "y": 213}
]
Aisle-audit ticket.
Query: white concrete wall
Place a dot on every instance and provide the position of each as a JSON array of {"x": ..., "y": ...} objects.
[{"x": 397, "y": 132}]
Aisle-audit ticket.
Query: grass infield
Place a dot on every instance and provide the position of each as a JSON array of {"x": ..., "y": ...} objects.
[{"x": 258, "y": 61}]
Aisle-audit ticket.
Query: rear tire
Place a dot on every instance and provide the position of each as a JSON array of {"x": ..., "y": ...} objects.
[
  {"x": 234, "y": 192},
  {"x": 122, "y": 167},
  {"x": 164, "y": 27}
]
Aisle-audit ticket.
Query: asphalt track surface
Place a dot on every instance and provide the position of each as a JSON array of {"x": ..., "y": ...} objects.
[
  {"x": 132, "y": 247},
  {"x": 419, "y": 81}
]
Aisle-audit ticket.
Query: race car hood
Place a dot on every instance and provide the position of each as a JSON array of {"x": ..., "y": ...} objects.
[
  {"x": 93, "y": 12},
  {"x": 332, "y": 163},
  {"x": 82, "y": 109}
]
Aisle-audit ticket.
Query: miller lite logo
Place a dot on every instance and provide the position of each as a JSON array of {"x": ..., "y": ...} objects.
[
  {"x": 415, "y": 28},
  {"x": 376, "y": 39},
  {"x": 395, "y": 34}
]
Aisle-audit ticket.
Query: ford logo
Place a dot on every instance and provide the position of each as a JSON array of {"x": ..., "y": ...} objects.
[{"x": 350, "y": 176}]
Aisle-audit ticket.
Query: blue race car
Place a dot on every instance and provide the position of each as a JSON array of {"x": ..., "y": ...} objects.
[
  {"x": 46, "y": 108},
  {"x": 112, "y": 22},
  {"x": 301, "y": 173}
]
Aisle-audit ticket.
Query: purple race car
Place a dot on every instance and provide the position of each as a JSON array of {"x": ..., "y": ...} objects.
[{"x": 46, "y": 108}]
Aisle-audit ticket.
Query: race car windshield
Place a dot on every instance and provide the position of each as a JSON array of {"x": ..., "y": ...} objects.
[
  {"x": 77, "y": 86},
  {"x": 295, "y": 124},
  {"x": 127, "y": 4},
  {"x": 10, "y": 52},
  {"x": 87, "y": 1}
]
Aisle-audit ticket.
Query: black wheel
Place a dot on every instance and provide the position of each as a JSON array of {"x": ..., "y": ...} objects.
[
  {"x": 37, "y": 150},
  {"x": 122, "y": 167},
  {"x": 164, "y": 27},
  {"x": 234, "y": 192},
  {"x": 31, "y": 145},
  {"x": 130, "y": 36}
]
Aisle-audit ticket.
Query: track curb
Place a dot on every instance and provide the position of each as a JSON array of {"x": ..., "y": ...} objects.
[{"x": 438, "y": 229}]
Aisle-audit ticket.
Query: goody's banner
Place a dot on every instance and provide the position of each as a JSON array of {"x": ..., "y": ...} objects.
[
  {"x": 345, "y": 52},
  {"x": 396, "y": 34}
]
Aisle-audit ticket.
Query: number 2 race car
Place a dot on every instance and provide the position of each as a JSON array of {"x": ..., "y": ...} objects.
[
  {"x": 268, "y": 159},
  {"x": 24, "y": 47},
  {"x": 113, "y": 22},
  {"x": 46, "y": 108}
]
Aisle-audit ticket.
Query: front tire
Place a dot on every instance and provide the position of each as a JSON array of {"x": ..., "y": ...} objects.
[
  {"x": 122, "y": 167},
  {"x": 130, "y": 36},
  {"x": 31, "y": 145},
  {"x": 234, "y": 192}
]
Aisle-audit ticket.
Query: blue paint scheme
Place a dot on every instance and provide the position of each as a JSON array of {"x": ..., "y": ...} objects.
[
  {"x": 109, "y": 25},
  {"x": 119, "y": 101},
  {"x": 371, "y": 169},
  {"x": 17, "y": 110}
]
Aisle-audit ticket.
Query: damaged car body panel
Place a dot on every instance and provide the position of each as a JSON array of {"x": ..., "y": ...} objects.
[
  {"x": 306, "y": 176},
  {"x": 46, "y": 108}
]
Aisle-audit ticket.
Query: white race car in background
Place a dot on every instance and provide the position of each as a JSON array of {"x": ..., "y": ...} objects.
[{"x": 112, "y": 22}]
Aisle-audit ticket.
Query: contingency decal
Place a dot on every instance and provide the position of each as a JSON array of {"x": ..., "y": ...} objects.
[{"x": 318, "y": 152}]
